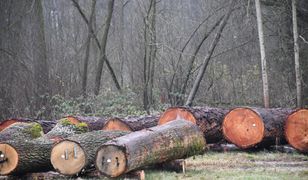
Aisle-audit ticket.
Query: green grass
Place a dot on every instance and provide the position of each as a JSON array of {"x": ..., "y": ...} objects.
[{"x": 240, "y": 165}]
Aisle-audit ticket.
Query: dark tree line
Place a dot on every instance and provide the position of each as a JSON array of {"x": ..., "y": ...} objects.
[{"x": 159, "y": 53}]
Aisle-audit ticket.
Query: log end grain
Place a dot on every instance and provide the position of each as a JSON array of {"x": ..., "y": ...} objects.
[
  {"x": 8, "y": 159},
  {"x": 243, "y": 127},
  {"x": 296, "y": 130},
  {"x": 175, "y": 113},
  {"x": 68, "y": 157},
  {"x": 111, "y": 160},
  {"x": 6, "y": 123},
  {"x": 116, "y": 124}
]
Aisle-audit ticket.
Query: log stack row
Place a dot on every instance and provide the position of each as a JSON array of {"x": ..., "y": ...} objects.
[{"x": 76, "y": 145}]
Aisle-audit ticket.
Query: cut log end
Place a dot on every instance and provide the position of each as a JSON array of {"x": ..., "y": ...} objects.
[
  {"x": 8, "y": 159},
  {"x": 243, "y": 127},
  {"x": 116, "y": 124},
  {"x": 68, "y": 158},
  {"x": 111, "y": 160},
  {"x": 296, "y": 130},
  {"x": 73, "y": 120},
  {"x": 176, "y": 113},
  {"x": 7, "y": 123}
]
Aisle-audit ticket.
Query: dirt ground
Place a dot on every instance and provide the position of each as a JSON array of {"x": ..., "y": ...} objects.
[{"x": 240, "y": 165}]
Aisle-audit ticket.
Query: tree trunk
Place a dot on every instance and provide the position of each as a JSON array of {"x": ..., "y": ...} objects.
[
  {"x": 103, "y": 55},
  {"x": 93, "y": 123},
  {"x": 41, "y": 74},
  {"x": 76, "y": 154},
  {"x": 131, "y": 123},
  {"x": 208, "y": 119},
  {"x": 296, "y": 56},
  {"x": 263, "y": 57},
  {"x": 296, "y": 130},
  {"x": 255, "y": 127},
  {"x": 176, "y": 139},
  {"x": 20, "y": 156},
  {"x": 26, "y": 131},
  {"x": 46, "y": 125},
  {"x": 208, "y": 56}
]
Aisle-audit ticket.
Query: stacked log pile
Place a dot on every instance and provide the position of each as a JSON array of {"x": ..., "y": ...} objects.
[{"x": 77, "y": 145}]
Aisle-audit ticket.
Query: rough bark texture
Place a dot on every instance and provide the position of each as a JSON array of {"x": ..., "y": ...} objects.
[
  {"x": 89, "y": 142},
  {"x": 46, "y": 125},
  {"x": 267, "y": 124},
  {"x": 61, "y": 131},
  {"x": 94, "y": 123},
  {"x": 208, "y": 119},
  {"x": 32, "y": 156},
  {"x": 133, "y": 123},
  {"x": 21, "y": 131},
  {"x": 173, "y": 140}
]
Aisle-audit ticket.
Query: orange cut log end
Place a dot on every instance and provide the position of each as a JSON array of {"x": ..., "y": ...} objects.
[
  {"x": 176, "y": 113},
  {"x": 73, "y": 120},
  {"x": 8, "y": 159},
  {"x": 296, "y": 130},
  {"x": 116, "y": 124},
  {"x": 243, "y": 127},
  {"x": 7, "y": 123}
]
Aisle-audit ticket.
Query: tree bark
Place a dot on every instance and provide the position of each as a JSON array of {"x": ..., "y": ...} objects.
[
  {"x": 208, "y": 56},
  {"x": 176, "y": 139},
  {"x": 76, "y": 154},
  {"x": 263, "y": 57},
  {"x": 131, "y": 123},
  {"x": 26, "y": 131},
  {"x": 296, "y": 56},
  {"x": 22, "y": 157},
  {"x": 208, "y": 119},
  {"x": 255, "y": 127}
]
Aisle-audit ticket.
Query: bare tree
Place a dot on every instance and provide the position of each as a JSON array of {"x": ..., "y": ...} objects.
[
  {"x": 103, "y": 55},
  {"x": 208, "y": 56},
  {"x": 262, "y": 52},
  {"x": 296, "y": 56}
]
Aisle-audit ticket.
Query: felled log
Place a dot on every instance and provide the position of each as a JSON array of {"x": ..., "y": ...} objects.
[
  {"x": 296, "y": 130},
  {"x": 20, "y": 130},
  {"x": 18, "y": 157},
  {"x": 66, "y": 128},
  {"x": 76, "y": 154},
  {"x": 173, "y": 140},
  {"x": 255, "y": 127},
  {"x": 94, "y": 123},
  {"x": 131, "y": 123},
  {"x": 22, "y": 156},
  {"x": 46, "y": 125},
  {"x": 208, "y": 119}
]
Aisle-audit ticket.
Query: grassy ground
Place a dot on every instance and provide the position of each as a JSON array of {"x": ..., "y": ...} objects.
[{"x": 240, "y": 165}]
